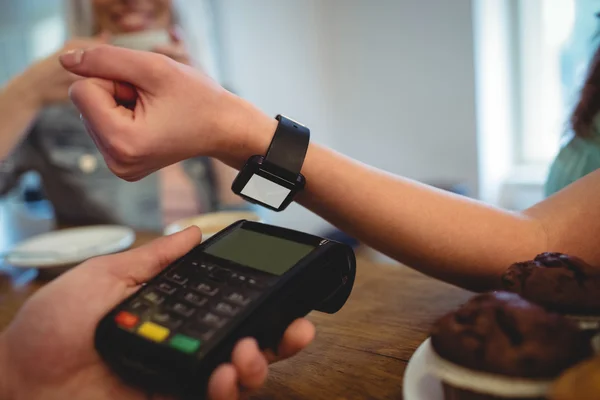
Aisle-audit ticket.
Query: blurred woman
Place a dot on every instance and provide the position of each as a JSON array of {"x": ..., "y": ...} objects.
[
  {"x": 41, "y": 130},
  {"x": 581, "y": 154}
]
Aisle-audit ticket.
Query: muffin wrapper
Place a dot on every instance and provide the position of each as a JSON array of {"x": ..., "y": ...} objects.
[{"x": 483, "y": 382}]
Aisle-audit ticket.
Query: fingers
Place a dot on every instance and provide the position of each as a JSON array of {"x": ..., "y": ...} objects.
[
  {"x": 223, "y": 384},
  {"x": 140, "y": 265},
  {"x": 248, "y": 369},
  {"x": 142, "y": 69},
  {"x": 98, "y": 101},
  {"x": 93, "y": 95},
  {"x": 296, "y": 337},
  {"x": 251, "y": 365}
]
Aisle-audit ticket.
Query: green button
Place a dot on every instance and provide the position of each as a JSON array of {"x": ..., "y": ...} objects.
[{"x": 184, "y": 344}]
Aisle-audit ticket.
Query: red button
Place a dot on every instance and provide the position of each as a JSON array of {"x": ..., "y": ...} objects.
[{"x": 126, "y": 320}]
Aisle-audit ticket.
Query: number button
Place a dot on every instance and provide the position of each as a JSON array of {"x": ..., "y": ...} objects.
[
  {"x": 206, "y": 288},
  {"x": 211, "y": 319},
  {"x": 153, "y": 297},
  {"x": 195, "y": 299},
  {"x": 177, "y": 277},
  {"x": 167, "y": 288},
  {"x": 199, "y": 330},
  {"x": 226, "y": 309},
  {"x": 166, "y": 319},
  {"x": 240, "y": 299},
  {"x": 138, "y": 307},
  {"x": 183, "y": 309}
]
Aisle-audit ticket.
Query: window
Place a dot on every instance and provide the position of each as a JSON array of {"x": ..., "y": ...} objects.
[{"x": 556, "y": 39}]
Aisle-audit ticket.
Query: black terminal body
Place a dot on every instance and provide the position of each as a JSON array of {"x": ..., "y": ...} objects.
[{"x": 250, "y": 280}]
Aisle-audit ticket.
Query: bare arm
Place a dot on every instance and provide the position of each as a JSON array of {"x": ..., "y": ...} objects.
[
  {"x": 450, "y": 237},
  {"x": 447, "y": 236}
]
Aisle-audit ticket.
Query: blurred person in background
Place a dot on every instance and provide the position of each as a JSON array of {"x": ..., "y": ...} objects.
[
  {"x": 581, "y": 153},
  {"x": 41, "y": 130}
]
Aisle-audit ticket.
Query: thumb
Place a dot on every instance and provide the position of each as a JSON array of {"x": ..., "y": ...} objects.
[
  {"x": 138, "y": 68},
  {"x": 140, "y": 265}
]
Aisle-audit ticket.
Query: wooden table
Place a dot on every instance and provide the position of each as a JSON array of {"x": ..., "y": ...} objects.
[{"x": 359, "y": 353}]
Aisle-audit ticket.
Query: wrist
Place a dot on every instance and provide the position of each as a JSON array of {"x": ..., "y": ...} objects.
[{"x": 248, "y": 130}]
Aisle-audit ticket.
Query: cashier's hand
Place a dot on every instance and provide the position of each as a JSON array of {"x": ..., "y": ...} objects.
[
  {"x": 48, "y": 350},
  {"x": 145, "y": 111}
]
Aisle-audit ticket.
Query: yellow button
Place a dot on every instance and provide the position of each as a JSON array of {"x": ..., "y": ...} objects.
[{"x": 153, "y": 332}]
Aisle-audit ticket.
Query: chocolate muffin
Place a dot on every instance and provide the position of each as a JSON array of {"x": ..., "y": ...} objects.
[
  {"x": 559, "y": 282},
  {"x": 507, "y": 346}
]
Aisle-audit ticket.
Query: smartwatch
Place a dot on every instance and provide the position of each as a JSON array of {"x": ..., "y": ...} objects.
[{"x": 273, "y": 180}]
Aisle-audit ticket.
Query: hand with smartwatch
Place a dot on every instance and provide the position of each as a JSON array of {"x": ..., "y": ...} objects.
[
  {"x": 270, "y": 177},
  {"x": 178, "y": 112},
  {"x": 137, "y": 108}
]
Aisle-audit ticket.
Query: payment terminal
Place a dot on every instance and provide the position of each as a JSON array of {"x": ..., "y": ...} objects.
[{"x": 250, "y": 280}]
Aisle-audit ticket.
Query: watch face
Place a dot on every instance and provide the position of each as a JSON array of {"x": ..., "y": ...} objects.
[
  {"x": 266, "y": 191},
  {"x": 262, "y": 183}
]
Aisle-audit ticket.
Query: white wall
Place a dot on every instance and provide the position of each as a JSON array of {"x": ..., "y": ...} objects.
[{"x": 389, "y": 82}]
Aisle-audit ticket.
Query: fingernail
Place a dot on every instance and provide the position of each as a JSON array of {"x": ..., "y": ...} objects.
[{"x": 72, "y": 58}]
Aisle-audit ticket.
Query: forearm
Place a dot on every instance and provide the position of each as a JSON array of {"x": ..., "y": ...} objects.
[
  {"x": 441, "y": 234},
  {"x": 18, "y": 110}
]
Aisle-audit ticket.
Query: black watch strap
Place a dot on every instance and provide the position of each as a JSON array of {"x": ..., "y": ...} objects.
[{"x": 289, "y": 145}]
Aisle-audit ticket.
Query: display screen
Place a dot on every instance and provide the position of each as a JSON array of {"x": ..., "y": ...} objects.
[
  {"x": 259, "y": 251},
  {"x": 265, "y": 191}
]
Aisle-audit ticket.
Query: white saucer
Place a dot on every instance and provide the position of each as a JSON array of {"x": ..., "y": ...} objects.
[
  {"x": 70, "y": 246},
  {"x": 419, "y": 383}
]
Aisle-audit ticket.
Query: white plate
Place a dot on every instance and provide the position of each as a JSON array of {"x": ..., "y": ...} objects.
[
  {"x": 70, "y": 246},
  {"x": 419, "y": 383},
  {"x": 211, "y": 223}
]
